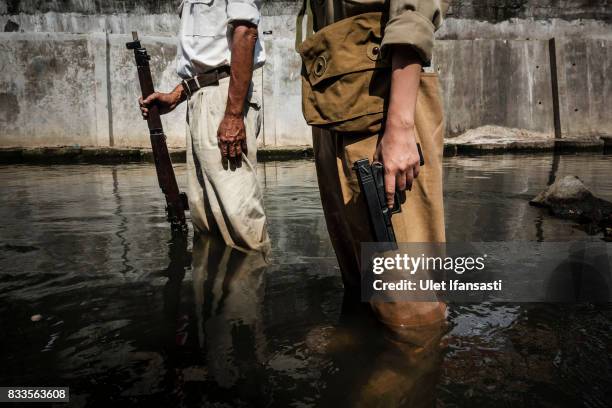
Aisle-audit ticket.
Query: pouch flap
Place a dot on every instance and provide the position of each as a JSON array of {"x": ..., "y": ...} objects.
[{"x": 350, "y": 45}]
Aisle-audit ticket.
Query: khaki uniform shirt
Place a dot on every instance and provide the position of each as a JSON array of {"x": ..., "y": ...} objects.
[{"x": 411, "y": 22}]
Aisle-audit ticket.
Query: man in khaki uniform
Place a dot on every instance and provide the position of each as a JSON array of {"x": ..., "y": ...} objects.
[
  {"x": 223, "y": 117},
  {"x": 409, "y": 37}
]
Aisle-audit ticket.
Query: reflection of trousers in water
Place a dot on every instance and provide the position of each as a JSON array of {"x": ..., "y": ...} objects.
[
  {"x": 229, "y": 293},
  {"x": 224, "y": 199},
  {"x": 422, "y": 215}
]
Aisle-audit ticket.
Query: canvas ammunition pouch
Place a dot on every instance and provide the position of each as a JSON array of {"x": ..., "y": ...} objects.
[{"x": 346, "y": 76}]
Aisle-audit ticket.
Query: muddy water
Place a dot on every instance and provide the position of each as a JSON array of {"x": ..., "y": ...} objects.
[{"x": 98, "y": 296}]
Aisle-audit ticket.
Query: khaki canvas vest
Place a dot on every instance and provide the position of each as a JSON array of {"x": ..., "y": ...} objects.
[{"x": 346, "y": 76}]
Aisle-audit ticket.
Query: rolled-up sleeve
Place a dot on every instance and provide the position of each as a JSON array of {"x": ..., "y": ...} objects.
[
  {"x": 244, "y": 10},
  {"x": 413, "y": 22}
]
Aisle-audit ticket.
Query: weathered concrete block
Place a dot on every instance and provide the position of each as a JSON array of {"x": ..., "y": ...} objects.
[
  {"x": 76, "y": 89},
  {"x": 284, "y": 124},
  {"x": 128, "y": 128},
  {"x": 584, "y": 67},
  {"x": 48, "y": 90},
  {"x": 118, "y": 23},
  {"x": 500, "y": 82}
]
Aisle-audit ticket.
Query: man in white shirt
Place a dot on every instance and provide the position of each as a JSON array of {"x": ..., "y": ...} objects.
[{"x": 223, "y": 117}]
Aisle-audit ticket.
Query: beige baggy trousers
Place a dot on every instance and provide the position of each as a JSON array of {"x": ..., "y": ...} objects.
[{"x": 225, "y": 200}]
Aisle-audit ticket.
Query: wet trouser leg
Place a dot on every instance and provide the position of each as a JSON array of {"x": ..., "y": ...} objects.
[
  {"x": 422, "y": 216},
  {"x": 225, "y": 200}
]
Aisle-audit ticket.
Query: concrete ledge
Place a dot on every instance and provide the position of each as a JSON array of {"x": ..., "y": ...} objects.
[
  {"x": 110, "y": 155},
  {"x": 588, "y": 144},
  {"x": 284, "y": 153},
  {"x": 71, "y": 154},
  {"x": 558, "y": 145},
  {"x": 607, "y": 142}
]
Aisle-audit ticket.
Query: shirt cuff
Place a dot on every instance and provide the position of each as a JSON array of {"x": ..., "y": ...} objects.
[
  {"x": 243, "y": 11},
  {"x": 411, "y": 28}
]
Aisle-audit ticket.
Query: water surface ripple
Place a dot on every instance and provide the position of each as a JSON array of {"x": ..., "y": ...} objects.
[{"x": 97, "y": 295}]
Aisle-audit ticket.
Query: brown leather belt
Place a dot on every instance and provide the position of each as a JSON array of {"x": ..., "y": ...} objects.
[{"x": 191, "y": 85}]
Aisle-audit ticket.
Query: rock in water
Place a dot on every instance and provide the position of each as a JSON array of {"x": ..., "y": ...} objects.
[
  {"x": 569, "y": 198},
  {"x": 568, "y": 189}
]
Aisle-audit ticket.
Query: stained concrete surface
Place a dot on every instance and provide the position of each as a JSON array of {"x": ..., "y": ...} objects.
[{"x": 502, "y": 78}]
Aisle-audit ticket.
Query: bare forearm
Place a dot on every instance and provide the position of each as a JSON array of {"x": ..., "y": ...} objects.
[
  {"x": 243, "y": 46},
  {"x": 397, "y": 148},
  {"x": 405, "y": 80}
]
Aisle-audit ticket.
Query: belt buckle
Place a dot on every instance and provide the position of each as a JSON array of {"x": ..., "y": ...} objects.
[{"x": 186, "y": 88}]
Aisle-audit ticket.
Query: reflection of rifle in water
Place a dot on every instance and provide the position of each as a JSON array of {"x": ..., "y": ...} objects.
[{"x": 176, "y": 202}]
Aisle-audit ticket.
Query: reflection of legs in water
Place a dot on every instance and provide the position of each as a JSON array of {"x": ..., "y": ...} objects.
[
  {"x": 228, "y": 286},
  {"x": 373, "y": 370}
]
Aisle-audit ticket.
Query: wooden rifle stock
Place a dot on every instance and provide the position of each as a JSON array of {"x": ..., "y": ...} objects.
[{"x": 176, "y": 202}]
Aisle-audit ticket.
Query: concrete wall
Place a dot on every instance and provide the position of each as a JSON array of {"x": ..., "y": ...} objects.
[
  {"x": 89, "y": 94},
  {"x": 52, "y": 90},
  {"x": 489, "y": 10},
  {"x": 77, "y": 89},
  {"x": 500, "y": 10},
  {"x": 584, "y": 70},
  {"x": 498, "y": 82},
  {"x": 283, "y": 120},
  {"x": 65, "y": 89}
]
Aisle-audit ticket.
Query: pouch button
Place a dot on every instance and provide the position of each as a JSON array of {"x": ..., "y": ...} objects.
[
  {"x": 374, "y": 52},
  {"x": 320, "y": 65}
]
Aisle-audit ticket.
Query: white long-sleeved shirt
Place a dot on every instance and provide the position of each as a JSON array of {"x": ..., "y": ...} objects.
[{"x": 206, "y": 33}]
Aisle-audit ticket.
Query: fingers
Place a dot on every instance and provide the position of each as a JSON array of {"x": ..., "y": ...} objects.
[
  {"x": 144, "y": 111},
  {"x": 224, "y": 149},
  {"x": 409, "y": 178},
  {"x": 232, "y": 150},
  {"x": 231, "y": 139},
  {"x": 238, "y": 150},
  {"x": 416, "y": 170},
  {"x": 146, "y": 103},
  {"x": 401, "y": 181},
  {"x": 150, "y": 99},
  {"x": 390, "y": 182}
]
